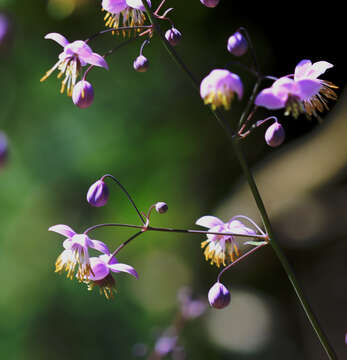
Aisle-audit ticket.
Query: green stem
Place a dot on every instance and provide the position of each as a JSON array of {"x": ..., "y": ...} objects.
[{"x": 253, "y": 187}]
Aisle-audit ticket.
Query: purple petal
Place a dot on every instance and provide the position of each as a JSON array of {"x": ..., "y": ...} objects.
[
  {"x": 302, "y": 68},
  {"x": 99, "y": 245},
  {"x": 62, "y": 230},
  {"x": 209, "y": 221},
  {"x": 269, "y": 99},
  {"x": 96, "y": 60},
  {"x": 99, "y": 268},
  {"x": 114, "y": 6},
  {"x": 60, "y": 39},
  {"x": 123, "y": 268},
  {"x": 308, "y": 88}
]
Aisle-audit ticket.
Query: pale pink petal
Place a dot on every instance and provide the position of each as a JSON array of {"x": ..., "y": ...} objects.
[
  {"x": 62, "y": 230},
  {"x": 209, "y": 221},
  {"x": 302, "y": 68},
  {"x": 271, "y": 100},
  {"x": 137, "y": 4},
  {"x": 319, "y": 68},
  {"x": 308, "y": 88},
  {"x": 99, "y": 245},
  {"x": 114, "y": 6},
  {"x": 60, "y": 39},
  {"x": 123, "y": 268}
]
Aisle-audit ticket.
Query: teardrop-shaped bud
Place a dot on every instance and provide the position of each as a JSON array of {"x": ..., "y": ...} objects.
[
  {"x": 3, "y": 149},
  {"x": 237, "y": 44},
  {"x": 275, "y": 135},
  {"x": 83, "y": 94},
  {"x": 141, "y": 64},
  {"x": 98, "y": 194},
  {"x": 173, "y": 36},
  {"x": 219, "y": 296},
  {"x": 161, "y": 207}
]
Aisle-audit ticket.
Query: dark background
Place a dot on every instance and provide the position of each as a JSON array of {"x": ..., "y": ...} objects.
[{"x": 152, "y": 132}]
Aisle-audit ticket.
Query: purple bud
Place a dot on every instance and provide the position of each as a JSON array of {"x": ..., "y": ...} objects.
[
  {"x": 237, "y": 44},
  {"x": 98, "y": 194},
  {"x": 3, "y": 149},
  {"x": 5, "y": 28},
  {"x": 173, "y": 36},
  {"x": 83, "y": 94},
  {"x": 141, "y": 64},
  {"x": 275, "y": 135},
  {"x": 161, "y": 207},
  {"x": 219, "y": 296},
  {"x": 210, "y": 3}
]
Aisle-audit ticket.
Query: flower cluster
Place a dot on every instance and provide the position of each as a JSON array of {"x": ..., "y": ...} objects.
[{"x": 94, "y": 271}]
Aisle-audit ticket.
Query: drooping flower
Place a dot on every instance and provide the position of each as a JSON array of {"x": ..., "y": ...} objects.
[
  {"x": 305, "y": 93},
  {"x": 3, "y": 149},
  {"x": 306, "y": 70},
  {"x": 219, "y": 296},
  {"x": 173, "y": 36},
  {"x": 124, "y": 12},
  {"x": 210, "y": 3},
  {"x": 275, "y": 135},
  {"x": 74, "y": 56},
  {"x": 237, "y": 44},
  {"x": 83, "y": 94},
  {"x": 76, "y": 252},
  {"x": 220, "y": 249},
  {"x": 161, "y": 207},
  {"x": 219, "y": 88},
  {"x": 98, "y": 193},
  {"x": 141, "y": 64},
  {"x": 101, "y": 276}
]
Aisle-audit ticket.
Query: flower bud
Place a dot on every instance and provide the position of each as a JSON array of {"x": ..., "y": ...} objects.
[
  {"x": 237, "y": 44},
  {"x": 83, "y": 94},
  {"x": 219, "y": 296},
  {"x": 98, "y": 194},
  {"x": 210, "y": 3},
  {"x": 173, "y": 36},
  {"x": 141, "y": 64},
  {"x": 3, "y": 149},
  {"x": 275, "y": 135},
  {"x": 161, "y": 207}
]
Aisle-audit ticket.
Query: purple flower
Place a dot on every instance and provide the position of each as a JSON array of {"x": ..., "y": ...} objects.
[
  {"x": 165, "y": 345},
  {"x": 237, "y": 44},
  {"x": 3, "y": 149},
  {"x": 83, "y": 94},
  {"x": 306, "y": 70},
  {"x": 190, "y": 308},
  {"x": 98, "y": 194},
  {"x": 173, "y": 36},
  {"x": 303, "y": 94},
  {"x": 275, "y": 135},
  {"x": 219, "y": 296},
  {"x": 222, "y": 248},
  {"x": 101, "y": 276},
  {"x": 141, "y": 64},
  {"x": 76, "y": 252},
  {"x": 210, "y": 3},
  {"x": 131, "y": 11},
  {"x": 4, "y": 28},
  {"x": 74, "y": 56},
  {"x": 219, "y": 88}
]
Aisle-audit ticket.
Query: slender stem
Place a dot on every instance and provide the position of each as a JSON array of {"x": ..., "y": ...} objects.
[
  {"x": 120, "y": 247},
  {"x": 239, "y": 153},
  {"x": 239, "y": 259},
  {"x": 126, "y": 193},
  {"x": 122, "y": 28},
  {"x": 186, "y": 231}
]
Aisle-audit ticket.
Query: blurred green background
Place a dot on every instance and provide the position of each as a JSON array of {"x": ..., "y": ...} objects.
[{"x": 151, "y": 132}]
